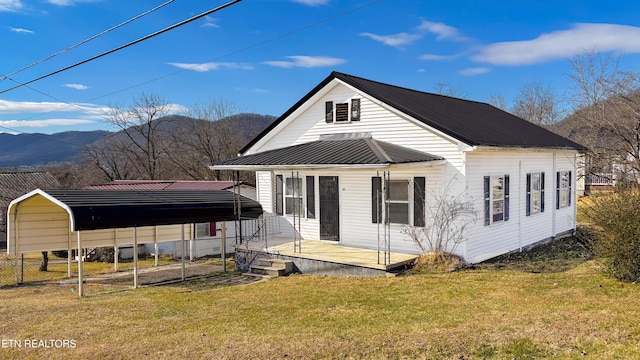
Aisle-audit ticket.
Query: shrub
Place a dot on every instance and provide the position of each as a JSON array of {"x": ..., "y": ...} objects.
[{"x": 616, "y": 219}]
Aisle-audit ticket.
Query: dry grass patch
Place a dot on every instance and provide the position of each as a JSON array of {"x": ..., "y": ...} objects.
[{"x": 470, "y": 314}]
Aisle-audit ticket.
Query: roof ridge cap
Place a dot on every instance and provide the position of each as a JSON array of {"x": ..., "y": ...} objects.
[{"x": 378, "y": 150}]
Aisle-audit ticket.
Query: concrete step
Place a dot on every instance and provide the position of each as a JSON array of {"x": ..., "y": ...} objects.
[
  {"x": 285, "y": 265},
  {"x": 266, "y": 270}
]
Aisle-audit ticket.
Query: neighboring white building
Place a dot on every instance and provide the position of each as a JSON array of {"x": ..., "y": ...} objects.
[{"x": 321, "y": 165}]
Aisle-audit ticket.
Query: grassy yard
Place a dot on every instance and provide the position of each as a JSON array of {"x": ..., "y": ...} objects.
[{"x": 500, "y": 310}]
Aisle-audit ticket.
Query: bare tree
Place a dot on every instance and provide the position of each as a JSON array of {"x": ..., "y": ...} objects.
[
  {"x": 447, "y": 89},
  {"x": 447, "y": 218},
  {"x": 142, "y": 142},
  {"x": 211, "y": 135},
  {"x": 538, "y": 104},
  {"x": 607, "y": 112},
  {"x": 498, "y": 101}
]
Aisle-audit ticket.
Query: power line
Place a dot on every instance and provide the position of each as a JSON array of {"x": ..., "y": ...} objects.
[
  {"x": 193, "y": 18},
  {"x": 277, "y": 37},
  {"x": 7, "y": 76}
]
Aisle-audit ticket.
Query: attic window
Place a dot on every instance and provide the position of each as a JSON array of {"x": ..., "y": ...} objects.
[
  {"x": 342, "y": 112},
  {"x": 355, "y": 109}
]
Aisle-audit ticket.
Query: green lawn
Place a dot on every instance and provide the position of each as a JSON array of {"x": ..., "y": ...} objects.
[{"x": 490, "y": 312}]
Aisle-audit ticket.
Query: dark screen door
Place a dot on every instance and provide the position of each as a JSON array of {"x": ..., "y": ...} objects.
[{"x": 329, "y": 208}]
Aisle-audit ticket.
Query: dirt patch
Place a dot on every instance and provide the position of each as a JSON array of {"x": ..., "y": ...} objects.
[{"x": 554, "y": 256}]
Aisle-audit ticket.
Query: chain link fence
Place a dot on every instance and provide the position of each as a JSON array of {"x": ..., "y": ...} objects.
[{"x": 102, "y": 273}]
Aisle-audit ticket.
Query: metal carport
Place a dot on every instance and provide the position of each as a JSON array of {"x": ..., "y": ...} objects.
[{"x": 51, "y": 220}]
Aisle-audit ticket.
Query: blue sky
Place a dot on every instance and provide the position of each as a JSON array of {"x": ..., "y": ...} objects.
[{"x": 264, "y": 55}]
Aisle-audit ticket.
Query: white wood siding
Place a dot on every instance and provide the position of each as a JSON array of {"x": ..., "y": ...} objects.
[
  {"x": 376, "y": 119},
  {"x": 485, "y": 242}
]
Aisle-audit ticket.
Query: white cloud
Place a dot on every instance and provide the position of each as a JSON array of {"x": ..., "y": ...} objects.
[
  {"x": 474, "y": 71},
  {"x": 69, "y": 2},
  {"x": 306, "y": 62},
  {"x": 13, "y": 107},
  {"x": 433, "y": 57},
  {"x": 11, "y": 5},
  {"x": 76, "y": 86},
  {"x": 395, "y": 40},
  {"x": 43, "y": 123},
  {"x": 204, "y": 67},
  {"x": 210, "y": 22},
  {"x": 21, "y": 30},
  {"x": 444, "y": 31},
  {"x": 562, "y": 44},
  {"x": 312, "y": 2}
]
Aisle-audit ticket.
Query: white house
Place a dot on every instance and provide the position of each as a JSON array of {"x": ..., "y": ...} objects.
[{"x": 322, "y": 164}]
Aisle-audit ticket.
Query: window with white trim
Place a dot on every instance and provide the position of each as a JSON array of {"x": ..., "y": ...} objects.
[
  {"x": 496, "y": 198},
  {"x": 293, "y": 196},
  {"x": 342, "y": 112},
  {"x": 205, "y": 230},
  {"x": 402, "y": 207},
  {"x": 535, "y": 193},
  {"x": 563, "y": 189},
  {"x": 398, "y": 199}
]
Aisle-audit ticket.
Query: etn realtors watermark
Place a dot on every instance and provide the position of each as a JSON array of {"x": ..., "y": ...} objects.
[{"x": 38, "y": 344}]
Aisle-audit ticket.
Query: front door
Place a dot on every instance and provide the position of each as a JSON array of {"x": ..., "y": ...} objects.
[{"x": 329, "y": 208}]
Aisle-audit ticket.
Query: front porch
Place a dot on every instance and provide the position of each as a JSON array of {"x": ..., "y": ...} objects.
[{"x": 327, "y": 257}]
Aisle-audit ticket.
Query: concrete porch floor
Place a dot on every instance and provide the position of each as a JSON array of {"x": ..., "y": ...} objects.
[{"x": 334, "y": 252}]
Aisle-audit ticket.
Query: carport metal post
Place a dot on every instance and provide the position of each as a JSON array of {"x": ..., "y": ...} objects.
[
  {"x": 80, "y": 280},
  {"x": 135, "y": 257},
  {"x": 223, "y": 246},
  {"x": 184, "y": 250}
]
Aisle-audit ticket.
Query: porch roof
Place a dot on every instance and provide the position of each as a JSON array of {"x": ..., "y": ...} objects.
[{"x": 330, "y": 153}]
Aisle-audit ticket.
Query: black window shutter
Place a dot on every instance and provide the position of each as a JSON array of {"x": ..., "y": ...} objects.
[
  {"x": 569, "y": 195},
  {"x": 541, "y": 192},
  {"x": 418, "y": 201},
  {"x": 328, "y": 111},
  {"x": 506, "y": 197},
  {"x": 311, "y": 198},
  {"x": 376, "y": 199},
  {"x": 279, "y": 195},
  {"x": 528, "y": 211},
  {"x": 558, "y": 190},
  {"x": 355, "y": 109},
  {"x": 487, "y": 201}
]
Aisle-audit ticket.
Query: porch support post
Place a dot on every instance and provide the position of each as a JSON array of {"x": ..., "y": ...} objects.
[
  {"x": 80, "y": 261},
  {"x": 135, "y": 257}
]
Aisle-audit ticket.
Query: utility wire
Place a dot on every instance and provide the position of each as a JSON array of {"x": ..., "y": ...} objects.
[
  {"x": 7, "y": 76},
  {"x": 193, "y": 18},
  {"x": 183, "y": 70}
]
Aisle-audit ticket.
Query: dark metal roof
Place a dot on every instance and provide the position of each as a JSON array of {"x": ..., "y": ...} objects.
[
  {"x": 106, "y": 209},
  {"x": 471, "y": 122},
  {"x": 16, "y": 183},
  {"x": 163, "y": 185},
  {"x": 361, "y": 151}
]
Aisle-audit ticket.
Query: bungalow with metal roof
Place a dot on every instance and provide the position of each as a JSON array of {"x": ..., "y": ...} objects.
[{"x": 323, "y": 165}]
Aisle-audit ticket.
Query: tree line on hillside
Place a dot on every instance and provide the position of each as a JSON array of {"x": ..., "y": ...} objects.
[
  {"x": 150, "y": 144},
  {"x": 604, "y": 107}
]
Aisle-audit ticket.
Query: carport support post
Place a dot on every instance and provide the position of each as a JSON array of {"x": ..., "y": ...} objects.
[
  {"x": 80, "y": 280},
  {"x": 184, "y": 250},
  {"x": 223, "y": 246},
  {"x": 155, "y": 245},
  {"x": 135, "y": 257}
]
